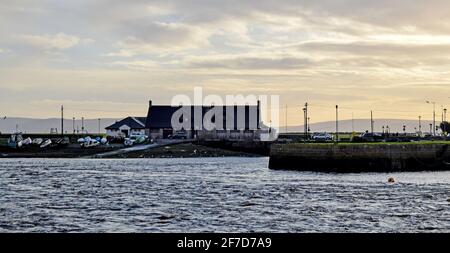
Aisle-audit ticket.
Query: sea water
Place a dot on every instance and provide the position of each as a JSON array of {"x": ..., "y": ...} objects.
[{"x": 213, "y": 195}]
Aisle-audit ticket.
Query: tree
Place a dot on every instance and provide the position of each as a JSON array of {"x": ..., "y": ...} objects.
[{"x": 445, "y": 126}]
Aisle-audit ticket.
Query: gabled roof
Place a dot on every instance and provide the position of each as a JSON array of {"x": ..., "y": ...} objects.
[
  {"x": 160, "y": 116},
  {"x": 132, "y": 122}
]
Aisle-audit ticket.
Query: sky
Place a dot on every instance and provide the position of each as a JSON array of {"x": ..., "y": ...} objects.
[{"x": 103, "y": 58}]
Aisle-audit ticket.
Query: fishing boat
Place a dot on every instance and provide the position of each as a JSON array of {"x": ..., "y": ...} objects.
[
  {"x": 128, "y": 142},
  {"x": 61, "y": 142},
  {"x": 27, "y": 141},
  {"x": 37, "y": 141},
  {"x": 90, "y": 143},
  {"x": 15, "y": 141},
  {"x": 46, "y": 143}
]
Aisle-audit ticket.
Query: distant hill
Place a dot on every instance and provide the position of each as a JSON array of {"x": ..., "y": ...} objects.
[
  {"x": 361, "y": 125},
  {"x": 29, "y": 125}
]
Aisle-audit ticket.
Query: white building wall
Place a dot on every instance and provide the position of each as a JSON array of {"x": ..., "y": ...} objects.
[
  {"x": 112, "y": 133},
  {"x": 119, "y": 133},
  {"x": 137, "y": 131}
]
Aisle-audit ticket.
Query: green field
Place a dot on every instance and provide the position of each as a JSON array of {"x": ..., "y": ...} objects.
[{"x": 3, "y": 141}]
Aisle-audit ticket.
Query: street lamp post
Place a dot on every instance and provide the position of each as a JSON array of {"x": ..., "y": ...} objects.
[
  {"x": 73, "y": 125},
  {"x": 445, "y": 114},
  {"x": 444, "y": 123},
  {"x": 305, "y": 120},
  {"x": 434, "y": 116}
]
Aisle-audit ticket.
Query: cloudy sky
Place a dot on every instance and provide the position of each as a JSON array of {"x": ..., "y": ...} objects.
[{"x": 108, "y": 58}]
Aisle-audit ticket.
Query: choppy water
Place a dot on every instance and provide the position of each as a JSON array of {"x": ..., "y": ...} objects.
[{"x": 213, "y": 194}]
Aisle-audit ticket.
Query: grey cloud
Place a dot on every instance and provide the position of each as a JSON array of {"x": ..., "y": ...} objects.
[
  {"x": 364, "y": 54},
  {"x": 58, "y": 41},
  {"x": 160, "y": 34},
  {"x": 245, "y": 62},
  {"x": 376, "y": 48},
  {"x": 426, "y": 15}
]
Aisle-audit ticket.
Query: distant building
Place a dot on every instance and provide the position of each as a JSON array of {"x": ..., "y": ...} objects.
[
  {"x": 247, "y": 127},
  {"x": 126, "y": 127}
]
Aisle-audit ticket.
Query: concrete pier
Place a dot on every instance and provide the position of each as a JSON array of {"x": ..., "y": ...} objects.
[{"x": 361, "y": 157}]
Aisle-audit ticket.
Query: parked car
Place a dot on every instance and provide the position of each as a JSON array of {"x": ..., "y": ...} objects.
[
  {"x": 369, "y": 137},
  {"x": 179, "y": 136},
  {"x": 135, "y": 139},
  {"x": 322, "y": 137}
]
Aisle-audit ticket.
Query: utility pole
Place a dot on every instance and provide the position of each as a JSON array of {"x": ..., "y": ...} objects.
[
  {"x": 309, "y": 126},
  {"x": 420, "y": 123},
  {"x": 82, "y": 125},
  {"x": 99, "y": 125},
  {"x": 73, "y": 125},
  {"x": 306, "y": 120},
  {"x": 371, "y": 121},
  {"x": 62, "y": 121},
  {"x": 337, "y": 123}
]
